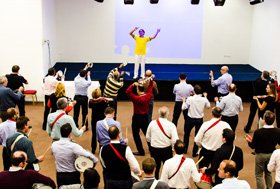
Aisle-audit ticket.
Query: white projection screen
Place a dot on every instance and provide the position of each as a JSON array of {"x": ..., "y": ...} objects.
[{"x": 180, "y": 23}]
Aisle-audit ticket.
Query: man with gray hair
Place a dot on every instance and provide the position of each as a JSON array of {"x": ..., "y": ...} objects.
[
  {"x": 162, "y": 134},
  {"x": 222, "y": 82},
  {"x": 16, "y": 177},
  {"x": 59, "y": 118},
  {"x": 7, "y": 97},
  {"x": 8, "y": 128}
]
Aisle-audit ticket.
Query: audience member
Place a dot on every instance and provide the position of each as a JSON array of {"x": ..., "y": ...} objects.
[
  {"x": 264, "y": 142},
  {"x": 230, "y": 105},
  {"x": 277, "y": 104},
  {"x": 117, "y": 160},
  {"x": 195, "y": 105},
  {"x": 59, "y": 118},
  {"x": 59, "y": 93},
  {"x": 16, "y": 177},
  {"x": 7, "y": 128},
  {"x": 103, "y": 126},
  {"x": 20, "y": 141},
  {"x": 91, "y": 181},
  {"x": 149, "y": 181},
  {"x": 178, "y": 170},
  {"x": 15, "y": 81},
  {"x": 162, "y": 134},
  {"x": 222, "y": 82},
  {"x": 113, "y": 84},
  {"x": 98, "y": 106},
  {"x": 65, "y": 152},
  {"x": 259, "y": 89},
  {"x": 227, "y": 171},
  {"x": 7, "y": 97},
  {"x": 181, "y": 90},
  {"x": 209, "y": 137},
  {"x": 140, "y": 112},
  {"x": 155, "y": 92},
  {"x": 268, "y": 102},
  {"x": 49, "y": 87},
  {"x": 81, "y": 96},
  {"x": 226, "y": 151},
  {"x": 273, "y": 166}
]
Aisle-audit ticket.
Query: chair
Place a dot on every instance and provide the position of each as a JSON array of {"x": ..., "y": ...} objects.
[{"x": 31, "y": 93}]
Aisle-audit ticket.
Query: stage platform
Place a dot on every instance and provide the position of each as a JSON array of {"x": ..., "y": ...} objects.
[{"x": 167, "y": 75}]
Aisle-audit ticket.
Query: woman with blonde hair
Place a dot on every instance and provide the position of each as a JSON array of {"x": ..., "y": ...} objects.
[
  {"x": 268, "y": 103},
  {"x": 97, "y": 105},
  {"x": 59, "y": 92}
]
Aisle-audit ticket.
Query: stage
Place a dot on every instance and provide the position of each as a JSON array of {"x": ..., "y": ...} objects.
[{"x": 167, "y": 75}]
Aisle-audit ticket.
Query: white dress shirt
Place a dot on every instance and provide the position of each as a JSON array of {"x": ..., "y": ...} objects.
[
  {"x": 156, "y": 137},
  {"x": 195, "y": 105},
  {"x": 132, "y": 161},
  {"x": 274, "y": 164},
  {"x": 232, "y": 183},
  {"x": 230, "y": 105},
  {"x": 65, "y": 153},
  {"x": 182, "y": 178},
  {"x": 212, "y": 139},
  {"x": 7, "y": 128}
]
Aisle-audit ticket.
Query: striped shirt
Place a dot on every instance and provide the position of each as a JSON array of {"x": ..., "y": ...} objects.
[{"x": 112, "y": 86}]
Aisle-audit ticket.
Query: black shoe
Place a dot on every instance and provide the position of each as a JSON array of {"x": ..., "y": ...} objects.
[
  {"x": 246, "y": 130},
  {"x": 195, "y": 155},
  {"x": 138, "y": 153}
]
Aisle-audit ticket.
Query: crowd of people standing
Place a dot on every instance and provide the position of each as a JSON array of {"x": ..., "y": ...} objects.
[{"x": 213, "y": 141}]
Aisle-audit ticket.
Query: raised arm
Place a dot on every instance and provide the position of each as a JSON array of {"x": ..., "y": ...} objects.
[
  {"x": 131, "y": 33},
  {"x": 158, "y": 30},
  {"x": 212, "y": 76}
]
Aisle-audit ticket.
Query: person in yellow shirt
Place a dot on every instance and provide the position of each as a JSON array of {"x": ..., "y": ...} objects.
[{"x": 140, "y": 50}]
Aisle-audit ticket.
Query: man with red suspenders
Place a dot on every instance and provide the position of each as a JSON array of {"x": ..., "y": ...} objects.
[
  {"x": 162, "y": 134},
  {"x": 117, "y": 159},
  {"x": 177, "y": 171},
  {"x": 59, "y": 118},
  {"x": 209, "y": 137}
]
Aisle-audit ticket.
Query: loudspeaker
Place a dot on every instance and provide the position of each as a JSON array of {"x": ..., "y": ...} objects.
[
  {"x": 154, "y": 1},
  {"x": 194, "y": 2},
  {"x": 253, "y": 2},
  {"x": 128, "y": 2},
  {"x": 99, "y": 1},
  {"x": 219, "y": 2}
]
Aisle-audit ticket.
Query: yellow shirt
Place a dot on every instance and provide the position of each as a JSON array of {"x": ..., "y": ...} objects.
[{"x": 141, "y": 43}]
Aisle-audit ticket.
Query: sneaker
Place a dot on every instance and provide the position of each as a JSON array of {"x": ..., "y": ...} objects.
[{"x": 135, "y": 77}]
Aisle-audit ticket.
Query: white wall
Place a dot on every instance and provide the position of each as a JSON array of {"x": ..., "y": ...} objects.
[
  {"x": 265, "y": 47},
  {"x": 49, "y": 33},
  {"x": 21, "y": 40},
  {"x": 85, "y": 32}
]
